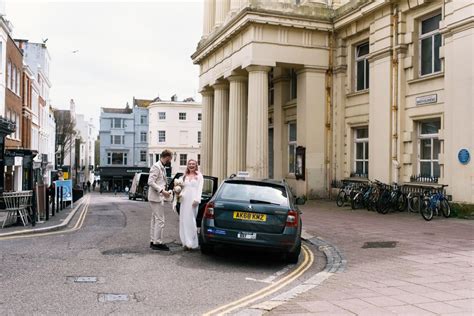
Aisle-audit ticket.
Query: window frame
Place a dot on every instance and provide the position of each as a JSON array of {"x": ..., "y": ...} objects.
[
  {"x": 291, "y": 143},
  {"x": 199, "y": 137},
  {"x": 143, "y": 119},
  {"x": 121, "y": 120},
  {"x": 161, "y": 116},
  {"x": 431, "y": 35},
  {"x": 365, "y": 144},
  {"x": 143, "y": 139},
  {"x": 432, "y": 137},
  {"x": 143, "y": 153},
  {"x": 164, "y": 136},
  {"x": 365, "y": 60},
  {"x": 199, "y": 116},
  {"x": 181, "y": 156},
  {"x": 182, "y": 116}
]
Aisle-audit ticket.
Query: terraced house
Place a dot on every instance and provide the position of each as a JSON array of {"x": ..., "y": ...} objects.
[{"x": 318, "y": 90}]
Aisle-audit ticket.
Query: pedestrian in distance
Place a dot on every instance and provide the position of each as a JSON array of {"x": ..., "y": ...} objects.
[
  {"x": 160, "y": 200},
  {"x": 88, "y": 186},
  {"x": 190, "y": 197}
]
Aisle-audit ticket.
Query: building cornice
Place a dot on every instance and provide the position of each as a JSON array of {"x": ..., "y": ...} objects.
[
  {"x": 162, "y": 104},
  {"x": 249, "y": 16}
]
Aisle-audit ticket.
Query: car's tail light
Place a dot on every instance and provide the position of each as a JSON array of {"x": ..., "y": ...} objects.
[
  {"x": 209, "y": 210},
  {"x": 292, "y": 219}
]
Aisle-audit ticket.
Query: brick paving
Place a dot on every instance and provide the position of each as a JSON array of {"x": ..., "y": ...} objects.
[{"x": 429, "y": 272}]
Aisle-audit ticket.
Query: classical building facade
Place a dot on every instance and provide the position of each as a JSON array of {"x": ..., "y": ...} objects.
[
  {"x": 175, "y": 125},
  {"x": 317, "y": 91}
]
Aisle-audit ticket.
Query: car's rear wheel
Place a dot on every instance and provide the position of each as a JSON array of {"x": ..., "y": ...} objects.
[
  {"x": 293, "y": 256},
  {"x": 206, "y": 249}
]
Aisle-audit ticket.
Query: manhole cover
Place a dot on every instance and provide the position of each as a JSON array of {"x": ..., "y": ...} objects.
[
  {"x": 111, "y": 297},
  {"x": 380, "y": 244},
  {"x": 85, "y": 279}
]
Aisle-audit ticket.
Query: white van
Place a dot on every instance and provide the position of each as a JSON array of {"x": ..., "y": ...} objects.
[{"x": 139, "y": 187}]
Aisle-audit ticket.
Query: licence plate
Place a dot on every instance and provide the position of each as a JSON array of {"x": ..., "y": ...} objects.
[
  {"x": 246, "y": 216},
  {"x": 247, "y": 235}
]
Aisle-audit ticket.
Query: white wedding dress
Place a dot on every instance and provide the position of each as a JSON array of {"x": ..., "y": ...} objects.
[{"x": 192, "y": 190}]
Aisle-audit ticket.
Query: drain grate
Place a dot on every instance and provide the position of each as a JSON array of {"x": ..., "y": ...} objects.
[
  {"x": 111, "y": 297},
  {"x": 380, "y": 244}
]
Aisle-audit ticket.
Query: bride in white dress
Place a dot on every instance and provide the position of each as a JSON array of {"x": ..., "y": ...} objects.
[{"x": 190, "y": 199}]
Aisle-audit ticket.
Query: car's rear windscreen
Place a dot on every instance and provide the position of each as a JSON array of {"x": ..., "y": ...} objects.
[{"x": 245, "y": 192}]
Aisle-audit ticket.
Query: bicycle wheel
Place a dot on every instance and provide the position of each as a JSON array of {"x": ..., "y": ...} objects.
[
  {"x": 426, "y": 211},
  {"x": 414, "y": 204},
  {"x": 383, "y": 203},
  {"x": 341, "y": 197},
  {"x": 445, "y": 208},
  {"x": 356, "y": 201},
  {"x": 402, "y": 204}
]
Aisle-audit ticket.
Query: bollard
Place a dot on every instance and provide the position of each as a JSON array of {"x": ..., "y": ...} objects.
[
  {"x": 58, "y": 206},
  {"x": 61, "y": 197},
  {"x": 33, "y": 208},
  {"x": 52, "y": 200},
  {"x": 46, "y": 207}
]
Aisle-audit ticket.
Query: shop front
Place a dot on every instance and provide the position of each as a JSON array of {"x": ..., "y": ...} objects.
[{"x": 117, "y": 178}]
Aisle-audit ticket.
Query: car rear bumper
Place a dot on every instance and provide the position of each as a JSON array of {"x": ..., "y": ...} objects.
[{"x": 286, "y": 241}]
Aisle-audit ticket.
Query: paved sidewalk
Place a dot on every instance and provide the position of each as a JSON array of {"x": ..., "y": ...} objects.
[
  {"x": 429, "y": 272},
  {"x": 55, "y": 222}
]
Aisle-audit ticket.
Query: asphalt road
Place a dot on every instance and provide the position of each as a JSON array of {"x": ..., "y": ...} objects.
[{"x": 37, "y": 274}]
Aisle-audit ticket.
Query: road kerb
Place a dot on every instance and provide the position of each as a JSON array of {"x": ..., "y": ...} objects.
[
  {"x": 335, "y": 263},
  {"x": 64, "y": 224}
]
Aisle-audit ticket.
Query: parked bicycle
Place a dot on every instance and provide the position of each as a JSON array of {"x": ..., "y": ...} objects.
[
  {"x": 391, "y": 198},
  {"x": 413, "y": 202},
  {"x": 344, "y": 195},
  {"x": 434, "y": 203}
]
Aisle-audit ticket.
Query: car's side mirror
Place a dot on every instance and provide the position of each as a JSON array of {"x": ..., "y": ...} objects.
[{"x": 300, "y": 201}]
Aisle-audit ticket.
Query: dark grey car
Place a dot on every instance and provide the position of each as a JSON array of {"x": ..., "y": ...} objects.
[{"x": 253, "y": 214}]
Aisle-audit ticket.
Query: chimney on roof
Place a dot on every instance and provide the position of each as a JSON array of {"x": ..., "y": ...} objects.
[{"x": 174, "y": 98}]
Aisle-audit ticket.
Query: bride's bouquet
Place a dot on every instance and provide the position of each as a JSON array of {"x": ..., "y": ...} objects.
[{"x": 177, "y": 189}]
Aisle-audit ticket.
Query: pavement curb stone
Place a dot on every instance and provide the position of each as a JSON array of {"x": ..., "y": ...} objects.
[
  {"x": 64, "y": 224},
  {"x": 335, "y": 263}
]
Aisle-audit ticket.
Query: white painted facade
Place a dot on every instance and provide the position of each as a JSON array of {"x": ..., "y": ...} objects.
[
  {"x": 5, "y": 29},
  {"x": 87, "y": 133},
  {"x": 181, "y": 135}
]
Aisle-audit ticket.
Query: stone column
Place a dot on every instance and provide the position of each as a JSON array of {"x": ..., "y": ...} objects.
[
  {"x": 257, "y": 124},
  {"x": 222, "y": 8},
  {"x": 206, "y": 130},
  {"x": 311, "y": 130},
  {"x": 235, "y": 6},
  {"x": 236, "y": 153},
  {"x": 209, "y": 15},
  {"x": 219, "y": 140},
  {"x": 281, "y": 84}
]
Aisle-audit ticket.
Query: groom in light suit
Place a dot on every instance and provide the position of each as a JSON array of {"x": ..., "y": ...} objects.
[{"x": 159, "y": 199}]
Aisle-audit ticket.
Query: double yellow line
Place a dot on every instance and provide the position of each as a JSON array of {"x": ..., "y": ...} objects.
[
  {"x": 305, "y": 265},
  {"x": 77, "y": 226}
]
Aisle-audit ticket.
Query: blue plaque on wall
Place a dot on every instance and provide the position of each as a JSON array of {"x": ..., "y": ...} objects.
[{"x": 464, "y": 156}]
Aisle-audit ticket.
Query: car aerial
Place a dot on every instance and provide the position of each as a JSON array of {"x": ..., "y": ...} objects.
[
  {"x": 139, "y": 187},
  {"x": 208, "y": 189},
  {"x": 249, "y": 213}
]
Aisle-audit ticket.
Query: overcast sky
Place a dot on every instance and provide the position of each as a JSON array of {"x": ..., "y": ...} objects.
[{"x": 125, "y": 48}]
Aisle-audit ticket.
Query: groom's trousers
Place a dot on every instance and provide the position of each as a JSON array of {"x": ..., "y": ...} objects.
[{"x": 157, "y": 224}]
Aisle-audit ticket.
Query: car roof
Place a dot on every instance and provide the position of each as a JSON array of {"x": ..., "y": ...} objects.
[{"x": 254, "y": 180}]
